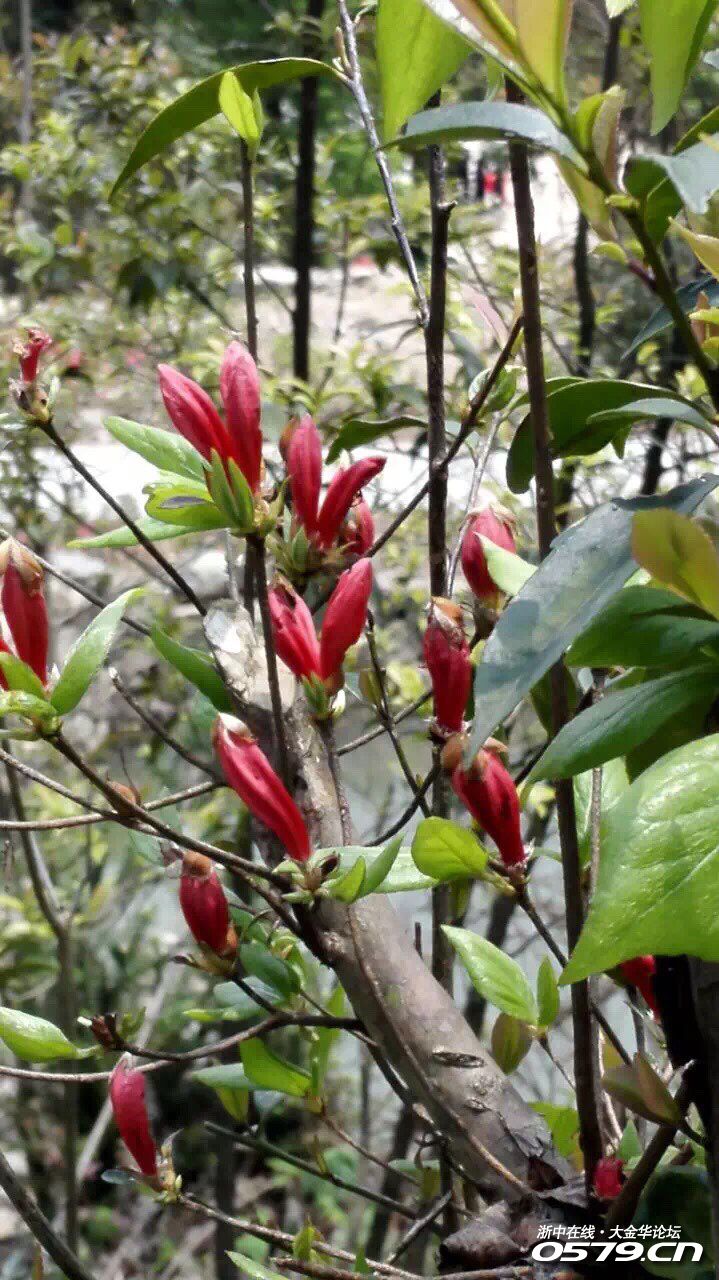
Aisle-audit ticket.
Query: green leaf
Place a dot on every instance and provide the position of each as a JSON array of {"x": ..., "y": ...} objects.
[
  {"x": 642, "y": 627},
  {"x": 232, "y": 1087},
  {"x": 21, "y": 677},
  {"x": 678, "y": 553},
  {"x": 185, "y": 503},
  {"x": 682, "y": 1197},
  {"x": 621, "y": 720},
  {"x": 652, "y": 407},
  {"x": 166, "y": 450},
  {"x": 380, "y": 868},
  {"x": 587, "y": 566},
  {"x": 273, "y": 971},
  {"x": 416, "y": 55},
  {"x": 563, "y": 1124},
  {"x": 41, "y": 713},
  {"x": 154, "y": 530},
  {"x": 446, "y": 851},
  {"x": 238, "y": 999},
  {"x": 637, "y": 1086},
  {"x": 348, "y": 886},
  {"x": 630, "y": 1148},
  {"x": 239, "y": 111},
  {"x": 511, "y": 1042},
  {"x": 572, "y": 419},
  {"x": 255, "y": 1270},
  {"x": 196, "y": 667},
  {"x": 547, "y": 993},
  {"x": 88, "y": 654},
  {"x": 272, "y": 1072},
  {"x": 672, "y": 33},
  {"x": 494, "y": 975},
  {"x": 660, "y": 843},
  {"x": 201, "y": 103},
  {"x": 362, "y": 431},
  {"x": 614, "y": 783},
  {"x": 507, "y": 570},
  {"x": 403, "y": 876},
  {"x": 661, "y": 319},
  {"x": 542, "y": 28},
  {"x": 503, "y": 121},
  {"x": 36, "y": 1040}
]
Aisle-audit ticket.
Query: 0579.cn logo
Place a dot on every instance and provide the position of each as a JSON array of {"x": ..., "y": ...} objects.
[{"x": 648, "y": 1243}]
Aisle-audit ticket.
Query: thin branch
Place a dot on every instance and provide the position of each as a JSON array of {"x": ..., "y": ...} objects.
[
  {"x": 38, "y": 1225},
  {"x": 386, "y": 715},
  {"x": 159, "y": 730},
  {"x": 278, "y": 722}
]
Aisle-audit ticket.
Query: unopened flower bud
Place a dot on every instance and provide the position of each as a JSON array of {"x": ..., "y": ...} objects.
[
  {"x": 204, "y": 904},
  {"x": 127, "y": 1097},
  {"x": 452, "y": 752},
  {"x": 342, "y": 490},
  {"x": 293, "y": 631},
  {"x": 250, "y": 774},
  {"x": 357, "y": 533},
  {"x": 639, "y": 973},
  {"x": 23, "y": 603},
  {"x": 304, "y": 468},
  {"x": 240, "y": 392},
  {"x": 488, "y": 792},
  {"x": 29, "y": 353},
  {"x": 446, "y": 653},
  {"x": 497, "y": 526},
  {"x": 345, "y": 617},
  {"x": 608, "y": 1178}
]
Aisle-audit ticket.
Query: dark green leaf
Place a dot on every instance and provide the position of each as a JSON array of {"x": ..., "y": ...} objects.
[
  {"x": 694, "y": 175},
  {"x": 660, "y": 843},
  {"x": 362, "y": 431},
  {"x": 201, "y": 103},
  {"x": 587, "y": 566},
  {"x": 495, "y": 975},
  {"x": 572, "y": 418},
  {"x": 687, "y": 298},
  {"x": 682, "y": 1197},
  {"x": 642, "y": 627},
  {"x": 166, "y": 450},
  {"x": 416, "y": 54},
  {"x": 88, "y": 654},
  {"x": 651, "y": 407},
  {"x": 620, "y": 721},
  {"x": 196, "y": 667},
  {"x": 270, "y": 969},
  {"x": 466, "y": 121}
]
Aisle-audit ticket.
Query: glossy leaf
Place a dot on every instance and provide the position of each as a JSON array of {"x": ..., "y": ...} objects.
[
  {"x": 511, "y": 1042},
  {"x": 642, "y": 627},
  {"x": 678, "y": 553},
  {"x": 20, "y": 676},
  {"x": 672, "y": 33},
  {"x": 542, "y": 27},
  {"x": 484, "y": 23},
  {"x": 403, "y": 877},
  {"x": 587, "y": 566},
  {"x": 660, "y": 842},
  {"x": 416, "y": 55},
  {"x": 239, "y": 111},
  {"x": 651, "y": 407},
  {"x": 195, "y": 666},
  {"x": 201, "y": 103},
  {"x": 269, "y": 1071},
  {"x": 272, "y": 970},
  {"x": 446, "y": 851},
  {"x": 166, "y": 450},
  {"x": 687, "y": 297},
  {"x": 183, "y": 503},
  {"x": 576, "y": 433},
  {"x": 36, "y": 1040},
  {"x": 621, "y": 720},
  {"x": 495, "y": 975},
  {"x": 363, "y": 431},
  {"x": 88, "y": 654},
  {"x": 498, "y": 121},
  {"x": 508, "y": 571},
  {"x": 154, "y": 530}
]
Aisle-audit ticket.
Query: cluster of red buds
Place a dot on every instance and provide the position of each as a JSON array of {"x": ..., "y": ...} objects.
[
  {"x": 29, "y": 395},
  {"x": 317, "y": 661},
  {"x": 487, "y": 791},
  {"x": 639, "y": 973},
  {"x": 608, "y": 1178},
  {"x": 23, "y": 603},
  {"x": 129, "y": 1107},
  {"x": 340, "y": 525},
  {"x": 496, "y": 525},
  {"x": 205, "y": 908},
  {"x": 447, "y": 658}
]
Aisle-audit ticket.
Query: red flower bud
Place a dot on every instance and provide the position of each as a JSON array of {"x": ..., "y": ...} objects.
[
  {"x": 240, "y": 391},
  {"x": 608, "y": 1179},
  {"x": 24, "y": 606},
  {"x": 488, "y": 792},
  {"x": 639, "y": 972},
  {"x": 357, "y": 533},
  {"x": 345, "y": 616},
  {"x": 127, "y": 1097},
  {"x": 343, "y": 487},
  {"x": 294, "y": 631},
  {"x": 250, "y": 774},
  {"x": 446, "y": 654},
  {"x": 304, "y": 467},
  {"x": 204, "y": 904},
  {"x": 29, "y": 352},
  {"x": 497, "y": 527},
  {"x": 192, "y": 413}
]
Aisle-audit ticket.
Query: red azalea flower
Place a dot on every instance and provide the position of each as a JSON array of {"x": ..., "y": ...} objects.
[
  {"x": 341, "y": 491},
  {"x": 204, "y": 904},
  {"x": 23, "y": 603},
  {"x": 446, "y": 654},
  {"x": 345, "y": 617},
  {"x": 127, "y": 1097},
  {"x": 496, "y": 526},
  {"x": 639, "y": 972},
  {"x": 608, "y": 1179},
  {"x": 304, "y": 467},
  {"x": 250, "y": 774},
  {"x": 29, "y": 352},
  {"x": 357, "y": 533},
  {"x": 488, "y": 792},
  {"x": 293, "y": 631}
]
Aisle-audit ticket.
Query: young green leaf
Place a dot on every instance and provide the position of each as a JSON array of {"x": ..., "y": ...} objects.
[
  {"x": 547, "y": 993},
  {"x": 238, "y": 109},
  {"x": 154, "y": 530},
  {"x": 416, "y": 55},
  {"x": 446, "y": 851},
  {"x": 38, "y": 711},
  {"x": 252, "y": 1268},
  {"x": 563, "y": 1124},
  {"x": 272, "y": 1072},
  {"x": 36, "y": 1040},
  {"x": 20, "y": 676},
  {"x": 349, "y": 885},
  {"x": 672, "y": 33},
  {"x": 196, "y": 667},
  {"x": 88, "y": 654},
  {"x": 642, "y": 626},
  {"x": 167, "y": 450},
  {"x": 495, "y": 976},
  {"x": 508, "y": 571},
  {"x": 468, "y": 121},
  {"x": 403, "y": 876},
  {"x": 379, "y": 869},
  {"x": 678, "y": 553},
  {"x": 511, "y": 1042}
]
